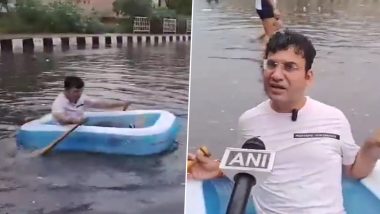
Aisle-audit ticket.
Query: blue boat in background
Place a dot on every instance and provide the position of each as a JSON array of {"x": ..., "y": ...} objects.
[{"x": 137, "y": 132}]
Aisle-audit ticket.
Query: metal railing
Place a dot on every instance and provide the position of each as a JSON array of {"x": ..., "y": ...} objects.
[
  {"x": 169, "y": 25},
  {"x": 188, "y": 26},
  {"x": 141, "y": 25}
]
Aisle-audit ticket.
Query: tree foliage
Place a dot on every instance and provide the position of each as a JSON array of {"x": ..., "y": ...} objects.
[
  {"x": 183, "y": 7},
  {"x": 133, "y": 8},
  {"x": 32, "y": 16}
]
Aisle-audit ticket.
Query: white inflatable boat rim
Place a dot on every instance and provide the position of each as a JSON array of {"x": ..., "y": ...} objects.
[{"x": 163, "y": 123}]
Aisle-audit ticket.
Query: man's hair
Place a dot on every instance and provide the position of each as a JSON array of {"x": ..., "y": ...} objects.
[
  {"x": 73, "y": 82},
  {"x": 281, "y": 41}
]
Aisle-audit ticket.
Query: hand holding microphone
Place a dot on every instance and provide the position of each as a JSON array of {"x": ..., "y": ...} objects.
[
  {"x": 246, "y": 167},
  {"x": 192, "y": 158}
]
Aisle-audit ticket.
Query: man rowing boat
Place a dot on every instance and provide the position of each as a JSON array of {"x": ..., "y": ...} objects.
[{"x": 69, "y": 106}]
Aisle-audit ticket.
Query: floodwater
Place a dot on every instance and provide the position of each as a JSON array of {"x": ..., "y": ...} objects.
[
  {"x": 155, "y": 77},
  {"x": 225, "y": 73}
]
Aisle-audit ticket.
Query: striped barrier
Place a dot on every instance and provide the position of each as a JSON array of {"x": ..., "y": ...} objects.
[{"x": 49, "y": 43}]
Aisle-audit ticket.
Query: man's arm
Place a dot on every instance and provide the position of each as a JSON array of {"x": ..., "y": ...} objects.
[
  {"x": 58, "y": 111},
  {"x": 366, "y": 158},
  {"x": 104, "y": 104},
  {"x": 61, "y": 118}
]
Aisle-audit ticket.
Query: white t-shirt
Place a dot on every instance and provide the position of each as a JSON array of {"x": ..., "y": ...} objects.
[
  {"x": 259, "y": 4},
  {"x": 71, "y": 110},
  {"x": 307, "y": 173}
]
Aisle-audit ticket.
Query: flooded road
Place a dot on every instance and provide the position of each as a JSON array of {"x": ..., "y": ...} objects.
[
  {"x": 153, "y": 77},
  {"x": 225, "y": 73}
]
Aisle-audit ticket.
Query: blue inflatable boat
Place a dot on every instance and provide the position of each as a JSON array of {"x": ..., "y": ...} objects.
[
  {"x": 212, "y": 196},
  {"x": 137, "y": 132}
]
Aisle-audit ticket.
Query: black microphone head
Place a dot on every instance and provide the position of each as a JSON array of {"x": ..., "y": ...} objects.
[
  {"x": 254, "y": 143},
  {"x": 294, "y": 114}
]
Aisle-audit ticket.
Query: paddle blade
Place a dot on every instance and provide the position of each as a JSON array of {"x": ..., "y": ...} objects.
[{"x": 50, "y": 147}]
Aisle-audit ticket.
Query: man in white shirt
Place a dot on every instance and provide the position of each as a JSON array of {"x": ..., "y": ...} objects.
[
  {"x": 69, "y": 106},
  {"x": 313, "y": 140}
]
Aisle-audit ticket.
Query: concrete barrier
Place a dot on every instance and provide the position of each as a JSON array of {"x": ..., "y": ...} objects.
[{"x": 62, "y": 42}]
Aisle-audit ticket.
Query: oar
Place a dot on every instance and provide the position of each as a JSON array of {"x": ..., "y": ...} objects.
[
  {"x": 126, "y": 106},
  {"x": 45, "y": 151},
  {"x": 140, "y": 122}
]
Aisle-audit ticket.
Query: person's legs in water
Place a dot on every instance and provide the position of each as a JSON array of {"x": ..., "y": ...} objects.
[
  {"x": 270, "y": 19},
  {"x": 271, "y": 26}
]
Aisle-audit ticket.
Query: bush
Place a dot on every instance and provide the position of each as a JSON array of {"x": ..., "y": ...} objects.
[
  {"x": 164, "y": 13},
  {"x": 183, "y": 7},
  {"x": 93, "y": 25},
  {"x": 30, "y": 12},
  {"x": 63, "y": 17},
  {"x": 133, "y": 8},
  {"x": 13, "y": 24},
  {"x": 31, "y": 16},
  {"x": 156, "y": 20},
  {"x": 181, "y": 24},
  {"x": 125, "y": 26}
]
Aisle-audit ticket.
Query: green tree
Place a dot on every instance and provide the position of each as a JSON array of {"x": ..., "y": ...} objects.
[
  {"x": 180, "y": 6},
  {"x": 133, "y": 8},
  {"x": 31, "y": 11},
  {"x": 33, "y": 16},
  {"x": 63, "y": 16}
]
